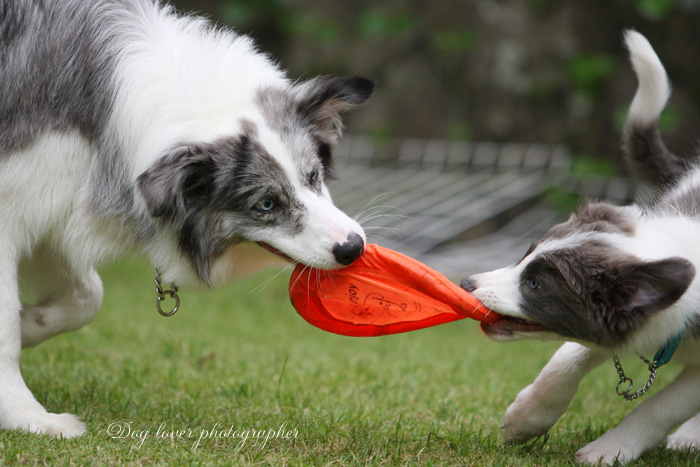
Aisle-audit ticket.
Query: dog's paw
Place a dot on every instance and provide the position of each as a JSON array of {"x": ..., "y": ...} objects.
[
  {"x": 62, "y": 425},
  {"x": 605, "y": 451},
  {"x": 686, "y": 437},
  {"x": 681, "y": 442},
  {"x": 528, "y": 417}
]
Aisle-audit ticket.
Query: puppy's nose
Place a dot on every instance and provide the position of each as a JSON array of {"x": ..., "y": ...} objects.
[
  {"x": 349, "y": 251},
  {"x": 468, "y": 284}
]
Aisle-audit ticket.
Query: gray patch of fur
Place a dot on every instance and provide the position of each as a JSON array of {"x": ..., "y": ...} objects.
[
  {"x": 596, "y": 217},
  {"x": 307, "y": 117},
  {"x": 648, "y": 158},
  {"x": 592, "y": 217},
  {"x": 298, "y": 136},
  {"x": 58, "y": 62},
  {"x": 211, "y": 194}
]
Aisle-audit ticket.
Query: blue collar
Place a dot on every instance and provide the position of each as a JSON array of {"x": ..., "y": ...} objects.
[{"x": 664, "y": 354}]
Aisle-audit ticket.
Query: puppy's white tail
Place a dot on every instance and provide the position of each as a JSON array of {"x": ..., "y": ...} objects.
[
  {"x": 653, "y": 90},
  {"x": 644, "y": 149}
]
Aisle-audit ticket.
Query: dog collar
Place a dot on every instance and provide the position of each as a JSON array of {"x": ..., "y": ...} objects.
[
  {"x": 662, "y": 357},
  {"x": 665, "y": 353}
]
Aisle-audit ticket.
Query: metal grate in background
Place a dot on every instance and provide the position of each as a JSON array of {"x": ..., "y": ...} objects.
[{"x": 459, "y": 207}]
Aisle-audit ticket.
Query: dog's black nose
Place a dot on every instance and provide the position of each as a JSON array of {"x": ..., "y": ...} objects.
[
  {"x": 468, "y": 284},
  {"x": 349, "y": 251}
]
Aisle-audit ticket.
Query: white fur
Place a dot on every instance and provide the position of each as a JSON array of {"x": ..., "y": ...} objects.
[
  {"x": 687, "y": 436},
  {"x": 656, "y": 238},
  {"x": 327, "y": 225},
  {"x": 499, "y": 289},
  {"x": 654, "y": 88},
  {"x": 180, "y": 81},
  {"x": 26, "y": 217},
  {"x": 539, "y": 406},
  {"x": 648, "y": 424}
]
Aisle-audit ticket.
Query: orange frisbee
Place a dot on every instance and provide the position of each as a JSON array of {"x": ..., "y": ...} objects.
[{"x": 382, "y": 292}]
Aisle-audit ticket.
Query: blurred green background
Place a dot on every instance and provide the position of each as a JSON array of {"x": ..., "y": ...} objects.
[{"x": 546, "y": 71}]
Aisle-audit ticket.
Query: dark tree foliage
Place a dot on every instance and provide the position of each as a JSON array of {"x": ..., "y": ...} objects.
[{"x": 510, "y": 70}]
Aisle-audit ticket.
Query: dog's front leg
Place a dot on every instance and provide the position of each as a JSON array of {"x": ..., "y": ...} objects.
[
  {"x": 18, "y": 407},
  {"x": 647, "y": 425},
  {"x": 539, "y": 406},
  {"x": 69, "y": 298}
]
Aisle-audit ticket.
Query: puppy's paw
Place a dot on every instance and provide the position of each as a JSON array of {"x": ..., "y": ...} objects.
[
  {"x": 62, "y": 425},
  {"x": 529, "y": 416},
  {"x": 683, "y": 442},
  {"x": 605, "y": 451}
]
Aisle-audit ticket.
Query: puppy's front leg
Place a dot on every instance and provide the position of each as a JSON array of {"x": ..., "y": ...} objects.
[
  {"x": 647, "y": 425},
  {"x": 687, "y": 436},
  {"x": 539, "y": 406}
]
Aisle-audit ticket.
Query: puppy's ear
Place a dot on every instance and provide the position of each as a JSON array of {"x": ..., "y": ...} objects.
[
  {"x": 321, "y": 100},
  {"x": 176, "y": 182},
  {"x": 645, "y": 288}
]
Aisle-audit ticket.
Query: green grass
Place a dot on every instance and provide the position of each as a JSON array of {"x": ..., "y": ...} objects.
[{"x": 247, "y": 360}]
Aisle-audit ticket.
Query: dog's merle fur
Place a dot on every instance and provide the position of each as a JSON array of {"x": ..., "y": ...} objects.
[
  {"x": 60, "y": 54},
  {"x": 617, "y": 280},
  {"x": 129, "y": 128}
]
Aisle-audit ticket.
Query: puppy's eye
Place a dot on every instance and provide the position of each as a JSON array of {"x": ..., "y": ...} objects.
[
  {"x": 533, "y": 283},
  {"x": 313, "y": 177},
  {"x": 266, "y": 205}
]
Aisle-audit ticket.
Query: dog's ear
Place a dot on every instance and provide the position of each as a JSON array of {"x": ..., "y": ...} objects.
[
  {"x": 645, "y": 288},
  {"x": 176, "y": 182},
  {"x": 321, "y": 100}
]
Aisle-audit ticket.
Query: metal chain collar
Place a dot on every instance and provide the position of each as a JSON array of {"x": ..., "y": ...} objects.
[
  {"x": 624, "y": 379},
  {"x": 161, "y": 296}
]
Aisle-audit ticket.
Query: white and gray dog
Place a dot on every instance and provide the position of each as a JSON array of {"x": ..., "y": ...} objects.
[
  {"x": 617, "y": 280},
  {"x": 126, "y": 127}
]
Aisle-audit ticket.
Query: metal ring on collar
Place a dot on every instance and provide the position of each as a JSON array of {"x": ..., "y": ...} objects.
[
  {"x": 629, "y": 388},
  {"x": 172, "y": 294}
]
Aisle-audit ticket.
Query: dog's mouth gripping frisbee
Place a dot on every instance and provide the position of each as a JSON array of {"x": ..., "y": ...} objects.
[{"x": 382, "y": 292}]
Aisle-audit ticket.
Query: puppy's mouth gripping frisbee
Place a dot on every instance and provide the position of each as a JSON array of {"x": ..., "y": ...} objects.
[{"x": 382, "y": 292}]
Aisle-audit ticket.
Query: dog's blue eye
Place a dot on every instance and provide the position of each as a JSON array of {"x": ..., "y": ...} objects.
[
  {"x": 266, "y": 205},
  {"x": 313, "y": 176},
  {"x": 533, "y": 283}
]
